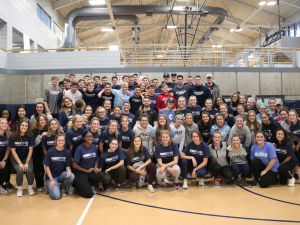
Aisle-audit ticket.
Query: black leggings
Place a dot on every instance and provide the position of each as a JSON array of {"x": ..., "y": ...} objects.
[
  {"x": 38, "y": 168},
  {"x": 266, "y": 180},
  {"x": 225, "y": 171},
  {"x": 9, "y": 167},
  {"x": 82, "y": 182},
  {"x": 284, "y": 169},
  {"x": 3, "y": 173}
]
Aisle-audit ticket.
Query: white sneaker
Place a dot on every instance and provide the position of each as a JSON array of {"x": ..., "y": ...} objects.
[
  {"x": 20, "y": 192},
  {"x": 40, "y": 189},
  {"x": 30, "y": 190},
  {"x": 201, "y": 182},
  {"x": 291, "y": 182},
  {"x": 93, "y": 188},
  {"x": 71, "y": 189},
  {"x": 151, "y": 189},
  {"x": 166, "y": 181},
  {"x": 185, "y": 185},
  {"x": 63, "y": 192},
  {"x": 3, "y": 191},
  {"x": 141, "y": 181}
]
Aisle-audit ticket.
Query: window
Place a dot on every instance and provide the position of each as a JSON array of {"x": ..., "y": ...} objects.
[
  {"x": 43, "y": 16},
  {"x": 291, "y": 31},
  {"x": 58, "y": 31},
  {"x": 297, "y": 33}
]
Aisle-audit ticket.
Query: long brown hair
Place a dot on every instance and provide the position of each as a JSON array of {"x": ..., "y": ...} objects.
[
  {"x": 65, "y": 109},
  {"x": 256, "y": 123},
  {"x": 17, "y": 134},
  {"x": 36, "y": 125},
  {"x": 167, "y": 126},
  {"x": 7, "y": 131},
  {"x": 131, "y": 148},
  {"x": 58, "y": 131}
]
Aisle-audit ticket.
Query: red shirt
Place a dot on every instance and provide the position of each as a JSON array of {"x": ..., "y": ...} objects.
[{"x": 161, "y": 101}]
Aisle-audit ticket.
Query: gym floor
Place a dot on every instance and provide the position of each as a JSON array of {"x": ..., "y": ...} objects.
[{"x": 226, "y": 204}]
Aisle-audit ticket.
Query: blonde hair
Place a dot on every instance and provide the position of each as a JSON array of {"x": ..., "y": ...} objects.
[
  {"x": 7, "y": 131},
  {"x": 65, "y": 109},
  {"x": 124, "y": 84},
  {"x": 116, "y": 132},
  {"x": 58, "y": 131},
  {"x": 192, "y": 96},
  {"x": 169, "y": 134},
  {"x": 90, "y": 82},
  {"x": 73, "y": 121},
  {"x": 95, "y": 119}
]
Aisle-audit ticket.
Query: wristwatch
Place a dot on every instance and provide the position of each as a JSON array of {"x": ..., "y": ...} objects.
[{"x": 4, "y": 160}]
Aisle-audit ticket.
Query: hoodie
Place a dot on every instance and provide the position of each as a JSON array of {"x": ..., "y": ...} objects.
[
  {"x": 219, "y": 155},
  {"x": 145, "y": 135},
  {"x": 244, "y": 134},
  {"x": 237, "y": 157},
  {"x": 202, "y": 93},
  {"x": 215, "y": 91},
  {"x": 161, "y": 101}
]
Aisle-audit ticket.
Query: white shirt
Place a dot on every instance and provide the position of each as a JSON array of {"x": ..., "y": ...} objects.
[{"x": 77, "y": 95}]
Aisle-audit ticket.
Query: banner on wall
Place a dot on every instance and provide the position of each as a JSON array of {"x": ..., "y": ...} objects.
[{"x": 140, "y": 78}]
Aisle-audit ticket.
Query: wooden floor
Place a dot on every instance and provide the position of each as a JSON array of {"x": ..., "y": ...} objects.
[{"x": 227, "y": 204}]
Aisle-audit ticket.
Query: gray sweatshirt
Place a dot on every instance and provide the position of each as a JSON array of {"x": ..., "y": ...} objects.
[
  {"x": 179, "y": 136},
  {"x": 145, "y": 135},
  {"x": 243, "y": 133},
  {"x": 188, "y": 133},
  {"x": 237, "y": 157},
  {"x": 218, "y": 155}
]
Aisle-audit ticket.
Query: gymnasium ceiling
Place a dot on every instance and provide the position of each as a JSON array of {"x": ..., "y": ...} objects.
[{"x": 246, "y": 12}]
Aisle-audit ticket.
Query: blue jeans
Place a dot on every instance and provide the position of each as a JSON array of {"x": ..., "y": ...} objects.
[
  {"x": 64, "y": 180},
  {"x": 187, "y": 166},
  {"x": 243, "y": 169}
]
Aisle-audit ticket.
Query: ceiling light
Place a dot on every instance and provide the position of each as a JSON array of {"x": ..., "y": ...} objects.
[
  {"x": 113, "y": 48},
  {"x": 271, "y": 3},
  {"x": 238, "y": 29},
  {"x": 107, "y": 29},
  {"x": 97, "y": 2},
  {"x": 262, "y": 3},
  {"x": 232, "y": 30},
  {"x": 171, "y": 26},
  {"x": 214, "y": 46},
  {"x": 219, "y": 46},
  {"x": 160, "y": 56}
]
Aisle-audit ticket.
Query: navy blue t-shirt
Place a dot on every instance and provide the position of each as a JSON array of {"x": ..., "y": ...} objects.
[
  {"x": 90, "y": 98},
  {"x": 229, "y": 121},
  {"x": 295, "y": 129},
  {"x": 104, "y": 97},
  {"x": 3, "y": 146},
  {"x": 22, "y": 148},
  {"x": 74, "y": 137},
  {"x": 37, "y": 132},
  {"x": 158, "y": 90},
  {"x": 108, "y": 159},
  {"x": 270, "y": 129},
  {"x": 86, "y": 157},
  {"x": 184, "y": 112},
  {"x": 116, "y": 87},
  {"x": 105, "y": 138},
  {"x": 167, "y": 154},
  {"x": 135, "y": 103},
  {"x": 63, "y": 119},
  {"x": 104, "y": 124},
  {"x": 112, "y": 117},
  {"x": 57, "y": 161},
  {"x": 126, "y": 137},
  {"x": 137, "y": 157},
  {"x": 284, "y": 151},
  {"x": 153, "y": 101},
  {"x": 96, "y": 137},
  {"x": 197, "y": 151},
  {"x": 196, "y": 111},
  {"x": 48, "y": 142},
  {"x": 131, "y": 119},
  {"x": 213, "y": 113},
  {"x": 201, "y": 92}
]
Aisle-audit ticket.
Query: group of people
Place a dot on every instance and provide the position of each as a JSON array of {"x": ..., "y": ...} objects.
[{"x": 89, "y": 135}]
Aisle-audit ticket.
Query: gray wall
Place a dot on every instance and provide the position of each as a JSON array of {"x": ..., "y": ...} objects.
[{"x": 17, "y": 89}]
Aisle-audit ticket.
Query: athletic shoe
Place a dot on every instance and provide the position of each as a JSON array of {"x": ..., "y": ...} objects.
[
  {"x": 45, "y": 190},
  {"x": 20, "y": 192},
  {"x": 291, "y": 182},
  {"x": 151, "y": 189},
  {"x": 157, "y": 186},
  {"x": 236, "y": 181},
  {"x": 30, "y": 190},
  {"x": 189, "y": 176},
  {"x": 201, "y": 182},
  {"x": 106, "y": 188},
  {"x": 223, "y": 181},
  {"x": 10, "y": 186},
  {"x": 171, "y": 178},
  {"x": 71, "y": 189},
  {"x": 133, "y": 185},
  {"x": 166, "y": 181},
  {"x": 94, "y": 191},
  {"x": 185, "y": 185},
  {"x": 3, "y": 191},
  {"x": 140, "y": 182},
  {"x": 127, "y": 183},
  {"x": 208, "y": 175},
  {"x": 63, "y": 192},
  {"x": 120, "y": 189},
  {"x": 253, "y": 184},
  {"x": 113, "y": 183},
  {"x": 180, "y": 177},
  {"x": 40, "y": 189},
  {"x": 176, "y": 186},
  {"x": 243, "y": 181},
  {"x": 276, "y": 181},
  {"x": 216, "y": 182},
  {"x": 296, "y": 176}
]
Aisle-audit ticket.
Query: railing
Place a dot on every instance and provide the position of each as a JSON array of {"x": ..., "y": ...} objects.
[{"x": 161, "y": 55}]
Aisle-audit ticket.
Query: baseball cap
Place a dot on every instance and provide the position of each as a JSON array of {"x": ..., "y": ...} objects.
[
  {"x": 170, "y": 100},
  {"x": 279, "y": 103},
  {"x": 166, "y": 75},
  {"x": 174, "y": 74},
  {"x": 208, "y": 75}
]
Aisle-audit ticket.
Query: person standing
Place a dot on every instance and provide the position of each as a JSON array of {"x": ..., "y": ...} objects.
[
  {"x": 213, "y": 87},
  {"x": 180, "y": 89},
  {"x": 50, "y": 98},
  {"x": 152, "y": 114},
  {"x": 174, "y": 79},
  {"x": 73, "y": 93},
  {"x": 106, "y": 95},
  {"x": 130, "y": 116},
  {"x": 152, "y": 95},
  {"x": 136, "y": 101},
  {"x": 201, "y": 92},
  {"x": 166, "y": 78},
  {"x": 163, "y": 97}
]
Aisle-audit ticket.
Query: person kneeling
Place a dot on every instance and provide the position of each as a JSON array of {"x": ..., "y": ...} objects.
[
  {"x": 194, "y": 159},
  {"x": 57, "y": 162}
]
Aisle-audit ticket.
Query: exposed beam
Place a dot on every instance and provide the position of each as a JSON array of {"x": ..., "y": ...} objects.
[
  {"x": 294, "y": 3},
  {"x": 62, "y": 3}
]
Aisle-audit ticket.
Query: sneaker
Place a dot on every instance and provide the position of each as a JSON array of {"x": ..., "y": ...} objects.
[
  {"x": 127, "y": 183},
  {"x": 176, "y": 186},
  {"x": 10, "y": 186},
  {"x": 40, "y": 189},
  {"x": 216, "y": 182},
  {"x": 243, "y": 181},
  {"x": 30, "y": 190},
  {"x": 166, "y": 181},
  {"x": 94, "y": 191},
  {"x": 296, "y": 176},
  {"x": 113, "y": 183},
  {"x": 185, "y": 185},
  {"x": 63, "y": 192},
  {"x": 223, "y": 181},
  {"x": 189, "y": 176},
  {"x": 120, "y": 189},
  {"x": 71, "y": 189},
  {"x": 151, "y": 189},
  {"x": 236, "y": 181},
  {"x": 208, "y": 175},
  {"x": 20, "y": 192},
  {"x": 106, "y": 187},
  {"x": 253, "y": 184},
  {"x": 201, "y": 182},
  {"x": 171, "y": 178},
  {"x": 45, "y": 190},
  {"x": 3, "y": 191},
  {"x": 133, "y": 185},
  {"x": 291, "y": 182},
  {"x": 141, "y": 181},
  {"x": 157, "y": 185}
]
